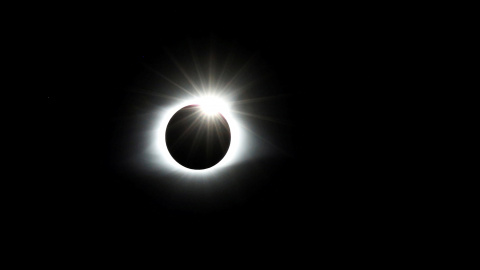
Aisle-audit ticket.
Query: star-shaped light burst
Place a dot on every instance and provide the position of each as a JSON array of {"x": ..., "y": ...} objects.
[
  {"x": 215, "y": 92},
  {"x": 212, "y": 105}
]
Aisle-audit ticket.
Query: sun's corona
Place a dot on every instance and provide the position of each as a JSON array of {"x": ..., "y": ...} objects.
[{"x": 210, "y": 106}]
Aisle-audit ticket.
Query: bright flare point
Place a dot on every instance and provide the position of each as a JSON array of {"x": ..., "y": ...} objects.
[{"x": 211, "y": 106}]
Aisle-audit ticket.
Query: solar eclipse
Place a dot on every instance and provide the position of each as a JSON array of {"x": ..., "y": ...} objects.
[
  {"x": 206, "y": 131},
  {"x": 208, "y": 112},
  {"x": 198, "y": 136}
]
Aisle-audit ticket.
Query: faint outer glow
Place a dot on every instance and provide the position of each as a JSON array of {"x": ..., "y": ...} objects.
[{"x": 209, "y": 104}]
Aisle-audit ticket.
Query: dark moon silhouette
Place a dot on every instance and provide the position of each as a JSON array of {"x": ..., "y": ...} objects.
[{"x": 197, "y": 140}]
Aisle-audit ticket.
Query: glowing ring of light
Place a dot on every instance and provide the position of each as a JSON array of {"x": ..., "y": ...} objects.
[{"x": 233, "y": 154}]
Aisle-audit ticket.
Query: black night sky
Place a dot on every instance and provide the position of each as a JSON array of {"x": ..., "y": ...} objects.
[{"x": 309, "y": 171}]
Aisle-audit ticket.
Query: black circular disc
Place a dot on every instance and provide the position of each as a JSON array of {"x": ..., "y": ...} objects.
[{"x": 197, "y": 140}]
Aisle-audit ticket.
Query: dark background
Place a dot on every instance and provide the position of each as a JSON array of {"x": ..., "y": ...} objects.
[{"x": 323, "y": 181}]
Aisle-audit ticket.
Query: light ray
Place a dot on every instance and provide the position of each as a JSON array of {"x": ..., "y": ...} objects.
[
  {"x": 225, "y": 65},
  {"x": 155, "y": 94},
  {"x": 197, "y": 67},
  {"x": 195, "y": 139},
  {"x": 265, "y": 118},
  {"x": 260, "y": 99},
  {"x": 188, "y": 129},
  {"x": 238, "y": 73},
  {"x": 169, "y": 80},
  {"x": 211, "y": 67},
  {"x": 185, "y": 74}
]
